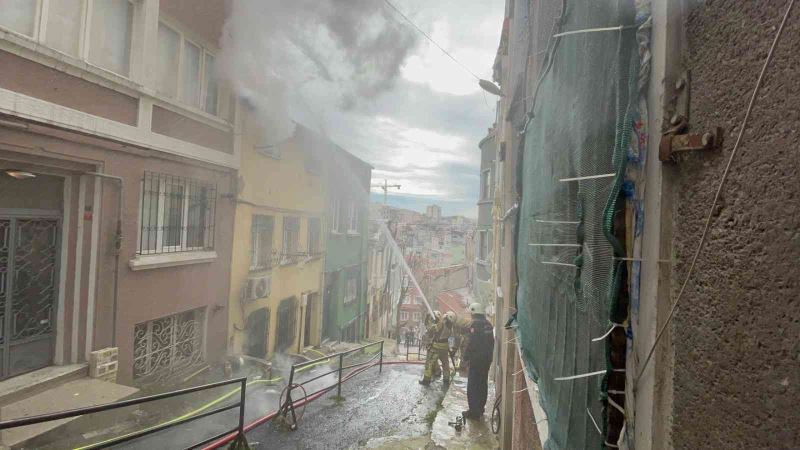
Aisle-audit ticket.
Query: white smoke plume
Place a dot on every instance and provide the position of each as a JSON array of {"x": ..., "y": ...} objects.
[{"x": 301, "y": 60}]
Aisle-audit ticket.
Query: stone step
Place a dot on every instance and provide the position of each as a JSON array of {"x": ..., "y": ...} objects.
[
  {"x": 31, "y": 383},
  {"x": 72, "y": 394}
]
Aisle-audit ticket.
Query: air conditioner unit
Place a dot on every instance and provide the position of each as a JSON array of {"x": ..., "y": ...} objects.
[{"x": 256, "y": 287}]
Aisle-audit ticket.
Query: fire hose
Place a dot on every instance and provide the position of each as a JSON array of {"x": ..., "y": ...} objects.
[{"x": 298, "y": 403}]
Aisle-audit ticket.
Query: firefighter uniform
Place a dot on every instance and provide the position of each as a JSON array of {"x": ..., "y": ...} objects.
[
  {"x": 438, "y": 350},
  {"x": 478, "y": 354}
]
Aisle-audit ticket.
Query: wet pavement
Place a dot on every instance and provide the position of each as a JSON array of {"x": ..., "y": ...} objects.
[
  {"x": 475, "y": 434},
  {"x": 376, "y": 409}
]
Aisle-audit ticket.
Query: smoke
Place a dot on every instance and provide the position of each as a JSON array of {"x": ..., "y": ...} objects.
[{"x": 301, "y": 60}]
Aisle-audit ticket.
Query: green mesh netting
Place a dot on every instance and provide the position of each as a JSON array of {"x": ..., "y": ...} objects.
[{"x": 581, "y": 127}]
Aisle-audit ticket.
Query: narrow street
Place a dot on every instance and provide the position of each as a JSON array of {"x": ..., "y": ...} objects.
[{"x": 390, "y": 405}]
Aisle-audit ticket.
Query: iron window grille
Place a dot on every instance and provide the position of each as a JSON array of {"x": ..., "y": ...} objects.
[
  {"x": 177, "y": 214},
  {"x": 168, "y": 345},
  {"x": 261, "y": 242},
  {"x": 291, "y": 240},
  {"x": 287, "y": 322}
]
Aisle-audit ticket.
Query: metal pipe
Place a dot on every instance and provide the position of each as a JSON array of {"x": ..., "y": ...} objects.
[
  {"x": 380, "y": 370},
  {"x": 339, "y": 383},
  {"x": 242, "y": 406},
  {"x": 117, "y": 249}
]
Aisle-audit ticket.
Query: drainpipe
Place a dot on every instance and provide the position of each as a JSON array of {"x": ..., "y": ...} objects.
[{"x": 117, "y": 248}]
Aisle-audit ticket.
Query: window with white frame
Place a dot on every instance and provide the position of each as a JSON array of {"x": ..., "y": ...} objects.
[
  {"x": 483, "y": 245},
  {"x": 185, "y": 70},
  {"x": 96, "y": 31},
  {"x": 486, "y": 184},
  {"x": 351, "y": 290},
  {"x": 352, "y": 218},
  {"x": 416, "y": 316},
  {"x": 403, "y": 315},
  {"x": 261, "y": 242},
  {"x": 177, "y": 214},
  {"x": 336, "y": 216}
]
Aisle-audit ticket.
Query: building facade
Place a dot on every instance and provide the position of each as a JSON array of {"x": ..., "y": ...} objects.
[
  {"x": 684, "y": 390},
  {"x": 347, "y": 204},
  {"x": 484, "y": 233},
  {"x": 433, "y": 212},
  {"x": 279, "y": 246},
  {"x": 116, "y": 220}
]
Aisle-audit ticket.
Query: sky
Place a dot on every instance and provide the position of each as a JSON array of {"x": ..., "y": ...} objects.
[
  {"x": 423, "y": 133},
  {"x": 358, "y": 73}
]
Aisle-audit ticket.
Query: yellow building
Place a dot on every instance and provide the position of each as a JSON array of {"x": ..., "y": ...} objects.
[{"x": 278, "y": 245}]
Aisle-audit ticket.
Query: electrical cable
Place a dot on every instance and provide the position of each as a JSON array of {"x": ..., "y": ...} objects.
[
  {"x": 431, "y": 39},
  {"x": 703, "y": 236}
]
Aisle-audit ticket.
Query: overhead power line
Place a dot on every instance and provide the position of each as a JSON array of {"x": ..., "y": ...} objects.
[{"x": 431, "y": 39}]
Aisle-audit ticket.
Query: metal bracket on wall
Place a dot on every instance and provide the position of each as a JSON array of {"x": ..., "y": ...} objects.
[
  {"x": 674, "y": 143},
  {"x": 676, "y": 139}
]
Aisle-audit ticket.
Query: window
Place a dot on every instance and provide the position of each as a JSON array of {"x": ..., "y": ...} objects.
[
  {"x": 261, "y": 242},
  {"x": 212, "y": 91},
  {"x": 486, "y": 186},
  {"x": 110, "y": 35},
  {"x": 186, "y": 70},
  {"x": 352, "y": 218},
  {"x": 167, "y": 60},
  {"x": 314, "y": 236},
  {"x": 416, "y": 316},
  {"x": 177, "y": 214},
  {"x": 64, "y": 20},
  {"x": 169, "y": 344},
  {"x": 483, "y": 245},
  {"x": 19, "y": 16},
  {"x": 291, "y": 237},
  {"x": 351, "y": 290},
  {"x": 336, "y": 216},
  {"x": 190, "y": 69},
  {"x": 403, "y": 315},
  {"x": 287, "y": 321},
  {"x": 97, "y": 31}
]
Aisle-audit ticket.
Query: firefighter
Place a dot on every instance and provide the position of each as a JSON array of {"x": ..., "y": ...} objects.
[
  {"x": 478, "y": 355},
  {"x": 438, "y": 349}
]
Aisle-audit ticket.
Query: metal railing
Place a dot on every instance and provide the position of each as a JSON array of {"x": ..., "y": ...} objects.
[
  {"x": 239, "y": 429},
  {"x": 287, "y": 405},
  {"x": 419, "y": 353}
]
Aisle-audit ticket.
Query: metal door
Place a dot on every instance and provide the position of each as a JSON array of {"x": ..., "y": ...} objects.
[{"x": 28, "y": 292}]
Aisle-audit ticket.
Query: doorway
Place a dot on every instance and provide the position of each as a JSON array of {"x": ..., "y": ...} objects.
[
  {"x": 29, "y": 248},
  {"x": 311, "y": 311},
  {"x": 257, "y": 333}
]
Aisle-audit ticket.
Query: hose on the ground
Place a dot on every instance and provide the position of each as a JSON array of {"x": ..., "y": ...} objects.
[{"x": 266, "y": 418}]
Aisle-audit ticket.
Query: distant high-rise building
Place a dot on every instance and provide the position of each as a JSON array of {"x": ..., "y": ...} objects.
[{"x": 434, "y": 212}]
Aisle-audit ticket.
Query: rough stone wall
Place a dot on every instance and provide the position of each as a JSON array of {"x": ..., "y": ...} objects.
[
  {"x": 525, "y": 435},
  {"x": 737, "y": 332}
]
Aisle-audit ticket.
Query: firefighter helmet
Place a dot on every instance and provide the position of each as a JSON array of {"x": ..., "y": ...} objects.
[{"x": 477, "y": 308}]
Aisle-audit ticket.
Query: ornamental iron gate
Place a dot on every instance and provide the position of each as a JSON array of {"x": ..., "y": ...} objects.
[{"x": 28, "y": 280}]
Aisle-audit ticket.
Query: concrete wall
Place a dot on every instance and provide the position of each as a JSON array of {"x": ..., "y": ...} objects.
[
  {"x": 145, "y": 294},
  {"x": 735, "y": 334}
]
